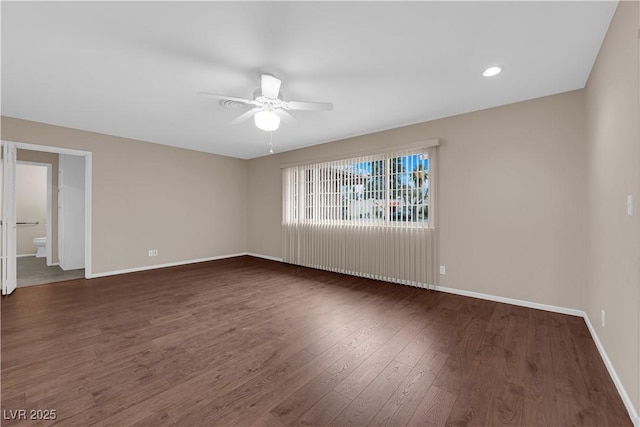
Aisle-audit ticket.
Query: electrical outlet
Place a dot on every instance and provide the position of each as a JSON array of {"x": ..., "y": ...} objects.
[
  {"x": 602, "y": 317},
  {"x": 153, "y": 252},
  {"x": 443, "y": 270}
]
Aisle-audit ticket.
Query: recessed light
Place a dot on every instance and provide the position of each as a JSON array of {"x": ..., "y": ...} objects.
[{"x": 491, "y": 71}]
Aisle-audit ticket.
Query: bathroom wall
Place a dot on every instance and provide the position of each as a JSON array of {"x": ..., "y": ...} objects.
[
  {"x": 52, "y": 159},
  {"x": 31, "y": 205}
]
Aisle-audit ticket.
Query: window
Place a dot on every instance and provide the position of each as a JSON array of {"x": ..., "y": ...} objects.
[{"x": 386, "y": 189}]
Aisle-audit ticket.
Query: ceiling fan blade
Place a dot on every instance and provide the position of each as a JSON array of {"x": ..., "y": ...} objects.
[
  {"x": 245, "y": 116},
  {"x": 284, "y": 115},
  {"x": 270, "y": 86},
  {"x": 229, "y": 98},
  {"x": 310, "y": 106}
]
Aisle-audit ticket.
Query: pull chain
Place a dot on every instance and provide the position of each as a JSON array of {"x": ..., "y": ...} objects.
[{"x": 270, "y": 142}]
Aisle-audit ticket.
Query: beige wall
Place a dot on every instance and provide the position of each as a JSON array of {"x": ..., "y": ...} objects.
[
  {"x": 31, "y": 206},
  {"x": 612, "y": 98},
  {"x": 52, "y": 159},
  {"x": 511, "y": 197},
  {"x": 187, "y": 204}
]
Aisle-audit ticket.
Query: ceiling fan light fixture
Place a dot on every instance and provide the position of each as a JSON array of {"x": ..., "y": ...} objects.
[
  {"x": 492, "y": 71},
  {"x": 267, "y": 120}
]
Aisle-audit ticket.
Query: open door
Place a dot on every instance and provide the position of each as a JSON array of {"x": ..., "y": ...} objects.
[
  {"x": 71, "y": 215},
  {"x": 8, "y": 254}
]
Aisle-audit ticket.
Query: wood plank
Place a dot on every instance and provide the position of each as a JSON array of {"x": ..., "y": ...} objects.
[
  {"x": 323, "y": 412},
  {"x": 367, "y": 404},
  {"x": 419, "y": 345},
  {"x": 358, "y": 380},
  {"x": 184, "y": 397},
  {"x": 402, "y": 404},
  {"x": 572, "y": 397},
  {"x": 540, "y": 382},
  {"x": 595, "y": 376},
  {"x": 156, "y": 419},
  {"x": 294, "y": 406},
  {"x": 267, "y": 420},
  {"x": 434, "y": 409}
]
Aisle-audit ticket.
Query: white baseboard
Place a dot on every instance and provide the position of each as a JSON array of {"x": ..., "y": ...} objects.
[
  {"x": 272, "y": 258},
  {"x": 70, "y": 267},
  {"x": 155, "y": 266},
  {"x": 33, "y": 255},
  {"x": 522, "y": 303},
  {"x": 613, "y": 374}
]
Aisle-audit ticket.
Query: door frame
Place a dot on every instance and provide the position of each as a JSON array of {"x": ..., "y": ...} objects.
[
  {"x": 9, "y": 226},
  {"x": 88, "y": 164},
  {"x": 49, "y": 231}
]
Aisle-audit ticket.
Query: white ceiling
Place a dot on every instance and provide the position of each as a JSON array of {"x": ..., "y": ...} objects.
[{"x": 133, "y": 69}]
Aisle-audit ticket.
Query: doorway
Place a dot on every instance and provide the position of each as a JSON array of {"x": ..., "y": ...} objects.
[
  {"x": 38, "y": 216},
  {"x": 33, "y": 208},
  {"x": 63, "y": 252}
]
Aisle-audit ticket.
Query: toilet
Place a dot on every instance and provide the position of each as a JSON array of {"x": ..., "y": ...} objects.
[{"x": 41, "y": 244}]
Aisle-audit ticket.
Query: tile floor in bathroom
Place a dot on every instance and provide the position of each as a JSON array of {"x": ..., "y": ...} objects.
[{"x": 34, "y": 271}]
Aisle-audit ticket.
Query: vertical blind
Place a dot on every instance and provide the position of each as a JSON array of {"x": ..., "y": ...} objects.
[{"x": 370, "y": 216}]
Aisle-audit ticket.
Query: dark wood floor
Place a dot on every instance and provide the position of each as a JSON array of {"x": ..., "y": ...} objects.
[{"x": 252, "y": 342}]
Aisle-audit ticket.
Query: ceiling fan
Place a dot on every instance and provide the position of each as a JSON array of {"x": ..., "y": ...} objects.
[{"x": 267, "y": 109}]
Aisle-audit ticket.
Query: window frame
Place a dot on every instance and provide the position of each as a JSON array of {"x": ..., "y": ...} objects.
[{"x": 311, "y": 174}]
